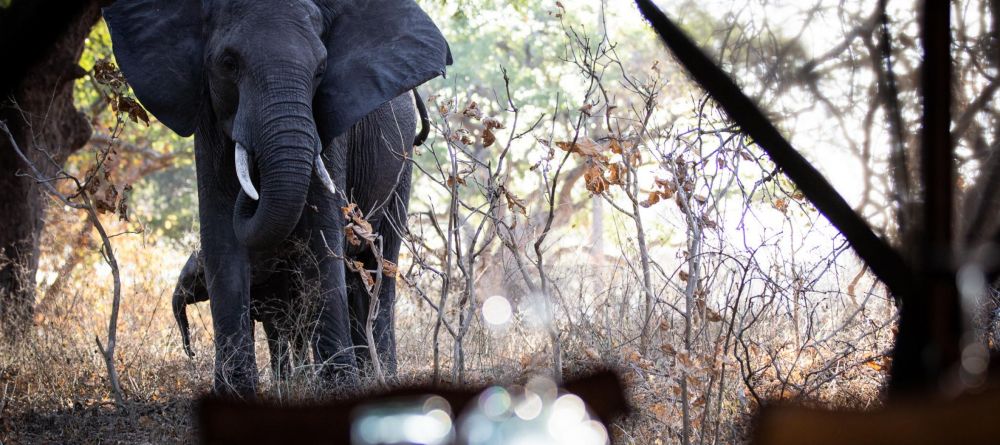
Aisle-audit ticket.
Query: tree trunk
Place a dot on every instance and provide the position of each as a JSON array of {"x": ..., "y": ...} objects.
[{"x": 36, "y": 102}]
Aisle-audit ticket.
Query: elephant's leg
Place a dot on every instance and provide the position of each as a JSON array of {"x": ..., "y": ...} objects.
[
  {"x": 228, "y": 277},
  {"x": 385, "y": 320},
  {"x": 277, "y": 346},
  {"x": 324, "y": 223},
  {"x": 190, "y": 289},
  {"x": 331, "y": 338},
  {"x": 299, "y": 346},
  {"x": 379, "y": 181}
]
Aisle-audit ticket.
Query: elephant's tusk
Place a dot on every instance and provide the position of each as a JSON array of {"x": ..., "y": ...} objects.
[
  {"x": 243, "y": 172},
  {"x": 324, "y": 175}
]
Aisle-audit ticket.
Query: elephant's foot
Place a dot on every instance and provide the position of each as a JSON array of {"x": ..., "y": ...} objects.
[{"x": 236, "y": 372}]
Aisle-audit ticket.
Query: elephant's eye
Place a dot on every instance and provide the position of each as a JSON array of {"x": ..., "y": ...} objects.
[{"x": 229, "y": 64}]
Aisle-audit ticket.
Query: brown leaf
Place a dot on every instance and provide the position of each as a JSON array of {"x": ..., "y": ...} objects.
[
  {"x": 685, "y": 359},
  {"x": 389, "y": 268},
  {"x": 349, "y": 210},
  {"x": 455, "y": 180},
  {"x": 493, "y": 123},
  {"x": 444, "y": 109},
  {"x": 357, "y": 228},
  {"x": 668, "y": 349},
  {"x": 662, "y": 412},
  {"x": 683, "y": 275},
  {"x": 712, "y": 316},
  {"x": 352, "y": 239},
  {"x": 654, "y": 197},
  {"x": 708, "y": 222},
  {"x": 635, "y": 158},
  {"x": 472, "y": 110},
  {"x": 488, "y": 137},
  {"x": 594, "y": 179},
  {"x": 584, "y": 146},
  {"x": 616, "y": 174},
  {"x": 366, "y": 276},
  {"x": 615, "y": 146},
  {"x": 132, "y": 108},
  {"x": 875, "y": 365},
  {"x": 106, "y": 73},
  {"x": 514, "y": 203},
  {"x": 781, "y": 204},
  {"x": 586, "y": 108}
]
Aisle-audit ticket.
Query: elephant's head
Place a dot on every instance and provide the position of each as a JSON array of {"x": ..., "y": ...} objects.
[{"x": 275, "y": 78}]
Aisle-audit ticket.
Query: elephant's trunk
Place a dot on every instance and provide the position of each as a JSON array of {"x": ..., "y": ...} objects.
[
  {"x": 282, "y": 142},
  {"x": 180, "y": 302}
]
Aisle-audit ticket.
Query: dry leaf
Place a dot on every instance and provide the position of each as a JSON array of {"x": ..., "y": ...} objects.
[
  {"x": 713, "y": 316},
  {"x": 129, "y": 106},
  {"x": 654, "y": 197},
  {"x": 781, "y": 204},
  {"x": 662, "y": 412},
  {"x": 617, "y": 174},
  {"x": 875, "y": 365},
  {"x": 472, "y": 110},
  {"x": 492, "y": 123},
  {"x": 389, "y": 268},
  {"x": 514, "y": 203},
  {"x": 357, "y": 228},
  {"x": 488, "y": 137},
  {"x": 359, "y": 268},
  {"x": 594, "y": 179},
  {"x": 584, "y": 146},
  {"x": 685, "y": 359},
  {"x": 668, "y": 349}
]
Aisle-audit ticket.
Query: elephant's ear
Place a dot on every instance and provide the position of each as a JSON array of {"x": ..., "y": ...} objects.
[
  {"x": 158, "y": 45},
  {"x": 377, "y": 49}
]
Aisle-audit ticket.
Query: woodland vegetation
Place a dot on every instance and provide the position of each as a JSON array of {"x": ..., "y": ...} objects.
[{"x": 581, "y": 203}]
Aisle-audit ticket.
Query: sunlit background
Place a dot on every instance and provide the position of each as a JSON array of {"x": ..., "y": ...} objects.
[{"x": 592, "y": 208}]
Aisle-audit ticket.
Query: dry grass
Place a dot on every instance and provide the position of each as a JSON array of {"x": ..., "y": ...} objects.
[{"x": 55, "y": 388}]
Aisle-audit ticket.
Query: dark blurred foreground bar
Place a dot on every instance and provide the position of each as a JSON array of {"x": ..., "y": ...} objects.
[
  {"x": 968, "y": 420},
  {"x": 228, "y": 421}
]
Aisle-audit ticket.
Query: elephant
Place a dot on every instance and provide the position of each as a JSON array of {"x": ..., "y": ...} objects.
[
  {"x": 285, "y": 336},
  {"x": 307, "y": 100},
  {"x": 286, "y": 339}
]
